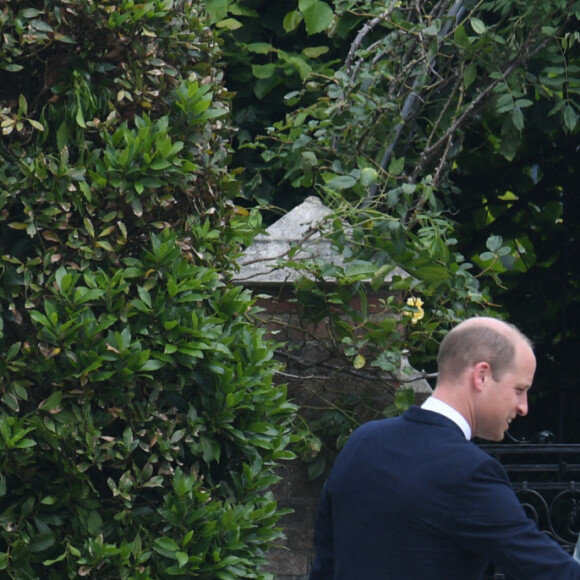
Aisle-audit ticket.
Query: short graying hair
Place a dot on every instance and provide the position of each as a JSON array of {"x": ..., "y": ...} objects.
[{"x": 465, "y": 346}]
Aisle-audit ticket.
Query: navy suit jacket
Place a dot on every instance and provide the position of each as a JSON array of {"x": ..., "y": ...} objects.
[{"x": 410, "y": 498}]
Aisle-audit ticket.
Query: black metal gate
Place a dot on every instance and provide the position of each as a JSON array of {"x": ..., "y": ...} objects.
[{"x": 546, "y": 478}]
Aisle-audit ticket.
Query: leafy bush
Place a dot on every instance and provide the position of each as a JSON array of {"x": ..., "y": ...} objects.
[{"x": 139, "y": 426}]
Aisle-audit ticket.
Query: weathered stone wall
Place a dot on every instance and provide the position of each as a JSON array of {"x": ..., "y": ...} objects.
[{"x": 292, "y": 560}]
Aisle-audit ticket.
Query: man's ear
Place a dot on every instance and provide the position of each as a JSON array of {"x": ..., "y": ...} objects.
[{"x": 481, "y": 374}]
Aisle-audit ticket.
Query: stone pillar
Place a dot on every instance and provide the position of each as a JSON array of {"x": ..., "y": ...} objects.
[{"x": 313, "y": 377}]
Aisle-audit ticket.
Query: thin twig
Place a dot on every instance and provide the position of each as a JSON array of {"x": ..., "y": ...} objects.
[{"x": 366, "y": 29}]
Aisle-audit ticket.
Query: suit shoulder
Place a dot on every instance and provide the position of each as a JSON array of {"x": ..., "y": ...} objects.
[{"x": 375, "y": 428}]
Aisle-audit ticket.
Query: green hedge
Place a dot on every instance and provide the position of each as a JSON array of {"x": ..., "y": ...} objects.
[{"x": 139, "y": 425}]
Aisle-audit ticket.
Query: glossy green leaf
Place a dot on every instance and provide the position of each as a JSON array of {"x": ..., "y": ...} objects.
[{"x": 317, "y": 15}]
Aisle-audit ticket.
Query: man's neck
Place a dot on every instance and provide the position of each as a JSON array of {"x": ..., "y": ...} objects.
[{"x": 437, "y": 405}]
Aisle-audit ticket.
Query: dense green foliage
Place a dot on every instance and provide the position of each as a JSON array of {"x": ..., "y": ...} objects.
[
  {"x": 392, "y": 81},
  {"x": 532, "y": 202},
  {"x": 393, "y": 113},
  {"x": 138, "y": 421},
  {"x": 380, "y": 99}
]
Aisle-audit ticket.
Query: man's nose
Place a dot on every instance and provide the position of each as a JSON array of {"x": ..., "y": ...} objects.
[{"x": 523, "y": 405}]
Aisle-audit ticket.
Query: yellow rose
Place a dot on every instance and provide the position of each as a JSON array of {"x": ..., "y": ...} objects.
[{"x": 419, "y": 313}]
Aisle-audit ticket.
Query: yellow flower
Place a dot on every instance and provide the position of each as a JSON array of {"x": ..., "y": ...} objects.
[{"x": 418, "y": 313}]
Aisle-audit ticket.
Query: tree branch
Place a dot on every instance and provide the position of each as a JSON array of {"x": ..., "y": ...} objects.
[{"x": 411, "y": 102}]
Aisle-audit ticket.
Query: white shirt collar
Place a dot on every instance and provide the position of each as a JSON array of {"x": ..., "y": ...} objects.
[{"x": 438, "y": 406}]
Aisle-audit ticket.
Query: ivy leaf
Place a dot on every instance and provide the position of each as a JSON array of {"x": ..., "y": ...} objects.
[
  {"x": 229, "y": 24},
  {"x": 404, "y": 398},
  {"x": 217, "y": 9},
  {"x": 460, "y": 37},
  {"x": 341, "y": 182},
  {"x": 433, "y": 273},
  {"x": 368, "y": 176},
  {"x": 260, "y": 47},
  {"x": 494, "y": 243},
  {"x": 469, "y": 74},
  {"x": 396, "y": 165},
  {"x": 478, "y": 25},
  {"x": 292, "y": 20},
  {"x": 317, "y": 15},
  {"x": 316, "y": 468},
  {"x": 518, "y": 119},
  {"x": 570, "y": 118},
  {"x": 315, "y": 51},
  {"x": 264, "y": 71}
]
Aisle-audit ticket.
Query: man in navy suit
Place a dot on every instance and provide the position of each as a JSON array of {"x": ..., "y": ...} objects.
[{"x": 412, "y": 498}]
